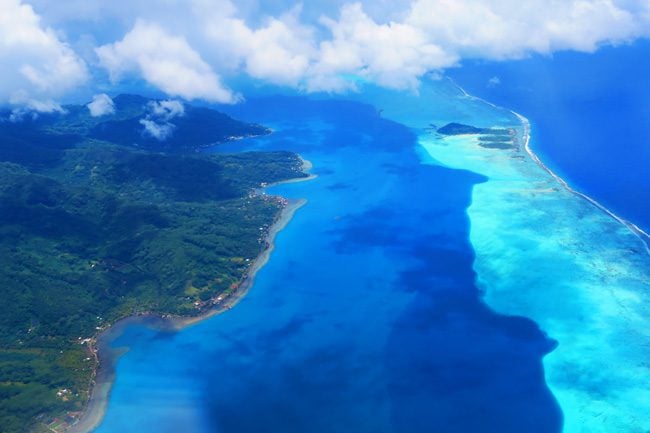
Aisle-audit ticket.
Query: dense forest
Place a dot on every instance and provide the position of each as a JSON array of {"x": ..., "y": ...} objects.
[{"x": 96, "y": 226}]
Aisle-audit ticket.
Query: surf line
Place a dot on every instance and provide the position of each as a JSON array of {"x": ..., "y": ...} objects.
[{"x": 636, "y": 230}]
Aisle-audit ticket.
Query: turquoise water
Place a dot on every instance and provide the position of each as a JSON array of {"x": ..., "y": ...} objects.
[
  {"x": 376, "y": 311},
  {"x": 591, "y": 117},
  {"x": 546, "y": 254}
]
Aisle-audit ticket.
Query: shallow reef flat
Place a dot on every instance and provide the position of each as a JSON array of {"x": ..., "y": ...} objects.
[{"x": 544, "y": 253}]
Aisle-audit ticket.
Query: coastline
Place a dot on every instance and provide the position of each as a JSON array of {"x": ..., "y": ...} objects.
[
  {"x": 642, "y": 235},
  {"x": 177, "y": 323},
  {"x": 305, "y": 167},
  {"x": 576, "y": 271},
  {"x": 638, "y": 232},
  {"x": 106, "y": 356}
]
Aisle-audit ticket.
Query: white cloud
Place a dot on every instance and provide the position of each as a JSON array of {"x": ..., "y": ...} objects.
[
  {"x": 166, "y": 61},
  {"x": 26, "y": 106},
  {"x": 157, "y": 123},
  {"x": 424, "y": 36},
  {"x": 36, "y": 65},
  {"x": 101, "y": 105},
  {"x": 279, "y": 51},
  {"x": 286, "y": 51},
  {"x": 24, "y": 101},
  {"x": 502, "y": 29},
  {"x": 159, "y": 131},
  {"x": 392, "y": 54},
  {"x": 167, "y": 109},
  {"x": 184, "y": 47}
]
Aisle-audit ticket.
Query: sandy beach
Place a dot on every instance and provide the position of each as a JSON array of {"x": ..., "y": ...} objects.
[{"x": 107, "y": 357}]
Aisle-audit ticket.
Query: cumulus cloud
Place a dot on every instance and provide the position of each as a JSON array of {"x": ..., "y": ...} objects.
[
  {"x": 167, "y": 109},
  {"x": 392, "y": 54},
  {"x": 27, "y": 107},
  {"x": 157, "y": 123},
  {"x": 159, "y": 131},
  {"x": 278, "y": 51},
  {"x": 396, "y": 49},
  {"x": 25, "y": 102},
  {"x": 166, "y": 61},
  {"x": 502, "y": 29},
  {"x": 101, "y": 105},
  {"x": 186, "y": 47},
  {"x": 37, "y": 65}
]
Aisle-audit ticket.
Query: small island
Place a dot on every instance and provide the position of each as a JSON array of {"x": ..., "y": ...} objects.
[
  {"x": 491, "y": 138},
  {"x": 102, "y": 219}
]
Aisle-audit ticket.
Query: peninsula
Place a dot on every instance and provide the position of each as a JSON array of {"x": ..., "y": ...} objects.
[{"x": 106, "y": 217}]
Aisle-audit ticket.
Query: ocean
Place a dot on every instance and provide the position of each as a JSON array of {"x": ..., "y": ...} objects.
[
  {"x": 590, "y": 114},
  {"x": 429, "y": 284}
]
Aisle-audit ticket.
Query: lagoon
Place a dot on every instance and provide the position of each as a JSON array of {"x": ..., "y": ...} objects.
[{"x": 400, "y": 298}]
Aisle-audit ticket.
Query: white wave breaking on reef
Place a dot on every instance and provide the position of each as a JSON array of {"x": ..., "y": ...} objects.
[{"x": 645, "y": 237}]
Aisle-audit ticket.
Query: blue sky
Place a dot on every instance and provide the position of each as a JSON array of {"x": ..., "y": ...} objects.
[{"x": 200, "y": 49}]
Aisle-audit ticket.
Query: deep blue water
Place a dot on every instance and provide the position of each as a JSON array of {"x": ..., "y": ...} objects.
[
  {"x": 590, "y": 115},
  {"x": 366, "y": 318}
]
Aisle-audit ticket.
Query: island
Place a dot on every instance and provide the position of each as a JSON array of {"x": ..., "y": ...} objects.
[
  {"x": 491, "y": 138},
  {"x": 102, "y": 219}
]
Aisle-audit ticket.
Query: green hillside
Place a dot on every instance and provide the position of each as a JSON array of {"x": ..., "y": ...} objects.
[{"x": 92, "y": 231}]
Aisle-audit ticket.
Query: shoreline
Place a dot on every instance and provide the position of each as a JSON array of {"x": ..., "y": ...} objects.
[
  {"x": 636, "y": 230},
  {"x": 306, "y": 166},
  {"x": 178, "y": 323},
  {"x": 585, "y": 258},
  {"x": 106, "y": 357}
]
